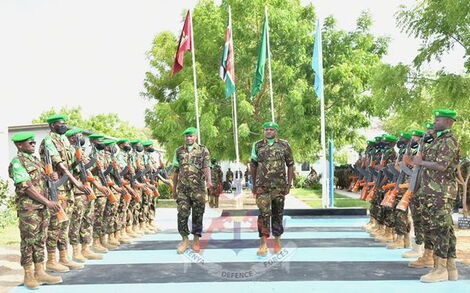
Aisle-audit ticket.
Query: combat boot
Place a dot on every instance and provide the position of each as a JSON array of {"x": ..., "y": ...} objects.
[
  {"x": 64, "y": 259},
  {"x": 277, "y": 244},
  {"x": 416, "y": 251},
  {"x": 150, "y": 227},
  {"x": 380, "y": 230},
  {"x": 144, "y": 229},
  {"x": 183, "y": 246},
  {"x": 53, "y": 266},
  {"x": 425, "y": 261},
  {"x": 387, "y": 236},
  {"x": 369, "y": 224},
  {"x": 76, "y": 254},
  {"x": 130, "y": 233},
  {"x": 439, "y": 273},
  {"x": 88, "y": 254},
  {"x": 263, "y": 247},
  {"x": 452, "y": 269},
  {"x": 122, "y": 240},
  {"x": 106, "y": 244},
  {"x": 44, "y": 278},
  {"x": 137, "y": 231},
  {"x": 97, "y": 247},
  {"x": 112, "y": 240},
  {"x": 155, "y": 226},
  {"x": 398, "y": 243},
  {"x": 196, "y": 247},
  {"x": 30, "y": 281},
  {"x": 123, "y": 237}
]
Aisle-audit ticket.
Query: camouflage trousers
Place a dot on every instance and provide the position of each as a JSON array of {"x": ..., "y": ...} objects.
[
  {"x": 86, "y": 229},
  {"x": 376, "y": 210},
  {"x": 190, "y": 201},
  {"x": 111, "y": 216},
  {"x": 401, "y": 222},
  {"x": 76, "y": 219},
  {"x": 145, "y": 207},
  {"x": 57, "y": 233},
  {"x": 124, "y": 218},
  {"x": 134, "y": 208},
  {"x": 33, "y": 233},
  {"x": 152, "y": 208},
  {"x": 271, "y": 210},
  {"x": 98, "y": 224},
  {"x": 437, "y": 216},
  {"x": 416, "y": 208}
]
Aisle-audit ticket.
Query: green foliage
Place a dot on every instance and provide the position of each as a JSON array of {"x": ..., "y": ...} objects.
[
  {"x": 442, "y": 24},
  {"x": 349, "y": 58},
  {"x": 165, "y": 192},
  {"x": 108, "y": 124},
  {"x": 306, "y": 182},
  {"x": 7, "y": 206}
]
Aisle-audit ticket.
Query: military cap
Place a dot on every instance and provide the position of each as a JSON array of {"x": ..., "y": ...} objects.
[
  {"x": 271, "y": 125},
  {"x": 429, "y": 125},
  {"x": 55, "y": 118},
  {"x": 135, "y": 141},
  {"x": 22, "y": 136},
  {"x": 190, "y": 130},
  {"x": 371, "y": 141},
  {"x": 418, "y": 132},
  {"x": 405, "y": 134},
  {"x": 378, "y": 138},
  {"x": 96, "y": 136},
  {"x": 73, "y": 131},
  {"x": 147, "y": 143},
  {"x": 445, "y": 113},
  {"x": 122, "y": 140},
  {"x": 109, "y": 141},
  {"x": 390, "y": 138}
]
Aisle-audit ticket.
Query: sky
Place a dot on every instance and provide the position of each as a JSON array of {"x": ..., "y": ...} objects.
[{"x": 92, "y": 53}]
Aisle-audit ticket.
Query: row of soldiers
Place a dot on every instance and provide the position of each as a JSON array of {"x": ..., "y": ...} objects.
[
  {"x": 419, "y": 180},
  {"x": 91, "y": 202}
]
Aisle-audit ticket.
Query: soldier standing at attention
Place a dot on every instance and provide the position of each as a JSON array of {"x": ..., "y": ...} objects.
[
  {"x": 269, "y": 158},
  {"x": 217, "y": 178},
  {"x": 439, "y": 183},
  {"x": 33, "y": 205},
  {"x": 192, "y": 164}
]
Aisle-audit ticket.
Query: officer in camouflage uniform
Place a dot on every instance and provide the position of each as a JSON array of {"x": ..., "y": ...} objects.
[
  {"x": 269, "y": 158},
  {"x": 61, "y": 153},
  {"x": 192, "y": 168},
  {"x": 33, "y": 205},
  {"x": 217, "y": 178},
  {"x": 438, "y": 182}
]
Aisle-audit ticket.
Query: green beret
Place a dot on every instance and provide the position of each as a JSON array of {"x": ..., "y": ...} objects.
[
  {"x": 96, "y": 136},
  {"x": 109, "y": 141},
  {"x": 378, "y": 138},
  {"x": 135, "y": 141},
  {"x": 122, "y": 140},
  {"x": 22, "y": 136},
  {"x": 445, "y": 113},
  {"x": 74, "y": 131},
  {"x": 418, "y": 132},
  {"x": 147, "y": 143},
  {"x": 190, "y": 130},
  {"x": 55, "y": 118},
  {"x": 406, "y": 135},
  {"x": 271, "y": 125},
  {"x": 371, "y": 141},
  {"x": 390, "y": 138},
  {"x": 429, "y": 125}
]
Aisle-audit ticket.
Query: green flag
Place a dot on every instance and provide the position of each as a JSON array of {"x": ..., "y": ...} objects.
[{"x": 262, "y": 55}]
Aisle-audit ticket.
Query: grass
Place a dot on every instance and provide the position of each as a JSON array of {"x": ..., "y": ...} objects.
[
  {"x": 10, "y": 235},
  {"x": 166, "y": 203},
  {"x": 312, "y": 197}
]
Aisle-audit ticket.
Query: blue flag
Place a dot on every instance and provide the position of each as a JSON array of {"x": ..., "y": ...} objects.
[{"x": 317, "y": 62}]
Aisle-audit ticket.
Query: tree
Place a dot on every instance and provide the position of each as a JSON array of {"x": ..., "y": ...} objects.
[
  {"x": 108, "y": 124},
  {"x": 349, "y": 58},
  {"x": 441, "y": 24}
]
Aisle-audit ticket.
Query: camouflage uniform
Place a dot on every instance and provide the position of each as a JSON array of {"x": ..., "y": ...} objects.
[
  {"x": 26, "y": 169},
  {"x": 388, "y": 215},
  {"x": 270, "y": 160},
  {"x": 401, "y": 222},
  {"x": 151, "y": 162},
  {"x": 440, "y": 189},
  {"x": 61, "y": 152},
  {"x": 100, "y": 201},
  {"x": 114, "y": 214},
  {"x": 190, "y": 162},
  {"x": 217, "y": 178},
  {"x": 135, "y": 206}
]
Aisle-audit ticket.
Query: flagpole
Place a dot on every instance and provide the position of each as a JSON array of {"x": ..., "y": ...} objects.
[
  {"x": 196, "y": 98},
  {"x": 269, "y": 64},
  {"x": 323, "y": 156}
]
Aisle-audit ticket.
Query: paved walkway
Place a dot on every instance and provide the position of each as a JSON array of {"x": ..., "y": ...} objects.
[{"x": 355, "y": 195}]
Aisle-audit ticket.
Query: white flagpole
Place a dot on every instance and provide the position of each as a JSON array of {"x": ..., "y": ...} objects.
[
  {"x": 269, "y": 64},
  {"x": 235, "y": 121},
  {"x": 324, "y": 184},
  {"x": 196, "y": 98}
]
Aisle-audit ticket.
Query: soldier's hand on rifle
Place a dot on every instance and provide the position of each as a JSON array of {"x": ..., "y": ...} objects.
[
  {"x": 54, "y": 176},
  {"x": 103, "y": 190},
  {"x": 53, "y": 206},
  {"x": 407, "y": 159},
  {"x": 418, "y": 159}
]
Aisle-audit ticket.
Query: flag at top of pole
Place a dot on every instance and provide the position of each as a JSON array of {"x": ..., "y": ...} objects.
[
  {"x": 317, "y": 62},
  {"x": 185, "y": 44},
  {"x": 227, "y": 69}
]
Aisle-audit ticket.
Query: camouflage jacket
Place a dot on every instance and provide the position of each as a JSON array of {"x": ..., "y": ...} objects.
[
  {"x": 26, "y": 170},
  {"x": 216, "y": 175},
  {"x": 60, "y": 151},
  {"x": 271, "y": 161},
  {"x": 444, "y": 150},
  {"x": 190, "y": 166},
  {"x": 100, "y": 157}
]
